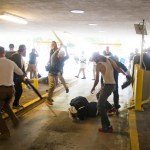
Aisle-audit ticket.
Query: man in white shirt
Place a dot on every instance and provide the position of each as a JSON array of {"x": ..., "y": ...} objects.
[
  {"x": 106, "y": 67},
  {"x": 7, "y": 91},
  {"x": 82, "y": 66}
]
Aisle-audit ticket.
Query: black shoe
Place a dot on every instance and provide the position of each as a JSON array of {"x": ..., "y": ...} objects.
[
  {"x": 83, "y": 78},
  {"x": 76, "y": 76},
  {"x": 17, "y": 106},
  {"x": 67, "y": 90}
]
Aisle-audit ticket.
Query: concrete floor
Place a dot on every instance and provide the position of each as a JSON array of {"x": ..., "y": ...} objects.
[{"x": 40, "y": 129}]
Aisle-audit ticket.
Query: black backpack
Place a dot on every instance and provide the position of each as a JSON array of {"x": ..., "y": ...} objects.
[{"x": 81, "y": 105}]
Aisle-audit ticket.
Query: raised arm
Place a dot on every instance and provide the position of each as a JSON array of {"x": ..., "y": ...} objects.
[
  {"x": 67, "y": 55},
  {"x": 60, "y": 41},
  {"x": 116, "y": 67}
]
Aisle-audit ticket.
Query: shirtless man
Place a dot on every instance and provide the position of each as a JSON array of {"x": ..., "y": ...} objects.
[{"x": 105, "y": 66}]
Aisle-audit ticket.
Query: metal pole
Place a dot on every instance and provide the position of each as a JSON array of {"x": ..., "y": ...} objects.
[{"x": 142, "y": 45}]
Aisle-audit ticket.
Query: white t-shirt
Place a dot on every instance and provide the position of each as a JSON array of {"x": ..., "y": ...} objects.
[
  {"x": 82, "y": 62},
  {"x": 108, "y": 77},
  {"x": 7, "y": 69}
]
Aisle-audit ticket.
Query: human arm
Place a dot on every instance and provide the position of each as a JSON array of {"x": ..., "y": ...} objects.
[
  {"x": 96, "y": 80},
  {"x": 54, "y": 57},
  {"x": 36, "y": 53},
  {"x": 67, "y": 55},
  {"x": 17, "y": 70},
  {"x": 60, "y": 41},
  {"x": 116, "y": 67}
]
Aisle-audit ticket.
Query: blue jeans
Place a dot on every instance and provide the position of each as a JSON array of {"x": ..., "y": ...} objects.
[{"x": 105, "y": 92}]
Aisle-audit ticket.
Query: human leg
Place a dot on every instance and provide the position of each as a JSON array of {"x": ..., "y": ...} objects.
[
  {"x": 7, "y": 108},
  {"x": 116, "y": 97},
  {"x": 102, "y": 101},
  {"x": 18, "y": 91},
  {"x": 78, "y": 73},
  {"x": 61, "y": 78},
  {"x": 83, "y": 71},
  {"x": 3, "y": 126},
  {"x": 52, "y": 85}
]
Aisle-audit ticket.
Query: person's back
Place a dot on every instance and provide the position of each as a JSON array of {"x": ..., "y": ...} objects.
[
  {"x": 32, "y": 59},
  {"x": 6, "y": 71}
]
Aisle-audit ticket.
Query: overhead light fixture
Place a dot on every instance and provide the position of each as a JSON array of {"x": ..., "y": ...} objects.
[
  {"x": 92, "y": 24},
  {"x": 101, "y": 31},
  {"x": 13, "y": 18},
  {"x": 77, "y": 11}
]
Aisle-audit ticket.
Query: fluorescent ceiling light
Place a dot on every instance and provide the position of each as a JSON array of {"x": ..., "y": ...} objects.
[
  {"x": 101, "y": 31},
  {"x": 77, "y": 11},
  {"x": 92, "y": 24},
  {"x": 13, "y": 18}
]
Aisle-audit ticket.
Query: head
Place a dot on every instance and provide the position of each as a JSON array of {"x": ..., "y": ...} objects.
[
  {"x": 136, "y": 51},
  {"x": 72, "y": 113},
  {"x": 54, "y": 45},
  {"x": 96, "y": 57},
  {"x": 61, "y": 54},
  {"x": 2, "y": 51},
  {"x": 107, "y": 50},
  {"x": 11, "y": 47},
  {"x": 22, "y": 50},
  {"x": 33, "y": 50}
]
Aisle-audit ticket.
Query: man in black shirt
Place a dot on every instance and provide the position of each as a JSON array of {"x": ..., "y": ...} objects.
[{"x": 32, "y": 67}]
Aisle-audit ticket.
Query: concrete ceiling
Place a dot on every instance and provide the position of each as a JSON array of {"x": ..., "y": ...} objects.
[{"x": 115, "y": 17}]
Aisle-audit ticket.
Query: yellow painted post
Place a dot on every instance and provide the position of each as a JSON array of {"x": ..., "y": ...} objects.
[
  {"x": 36, "y": 83},
  {"x": 138, "y": 89},
  {"x": 23, "y": 85}
]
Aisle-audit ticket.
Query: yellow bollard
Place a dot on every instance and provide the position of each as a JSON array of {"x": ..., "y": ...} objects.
[
  {"x": 138, "y": 89},
  {"x": 23, "y": 85},
  {"x": 36, "y": 83}
]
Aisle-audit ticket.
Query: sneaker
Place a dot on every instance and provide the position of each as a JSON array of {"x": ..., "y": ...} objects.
[
  {"x": 17, "y": 106},
  {"x": 76, "y": 76},
  {"x": 113, "y": 111},
  {"x": 67, "y": 90},
  {"x": 106, "y": 130},
  {"x": 83, "y": 78}
]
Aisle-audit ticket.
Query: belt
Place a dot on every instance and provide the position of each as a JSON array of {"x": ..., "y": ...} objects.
[
  {"x": 109, "y": 84},
  {"x": 6, "y": 86}
]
